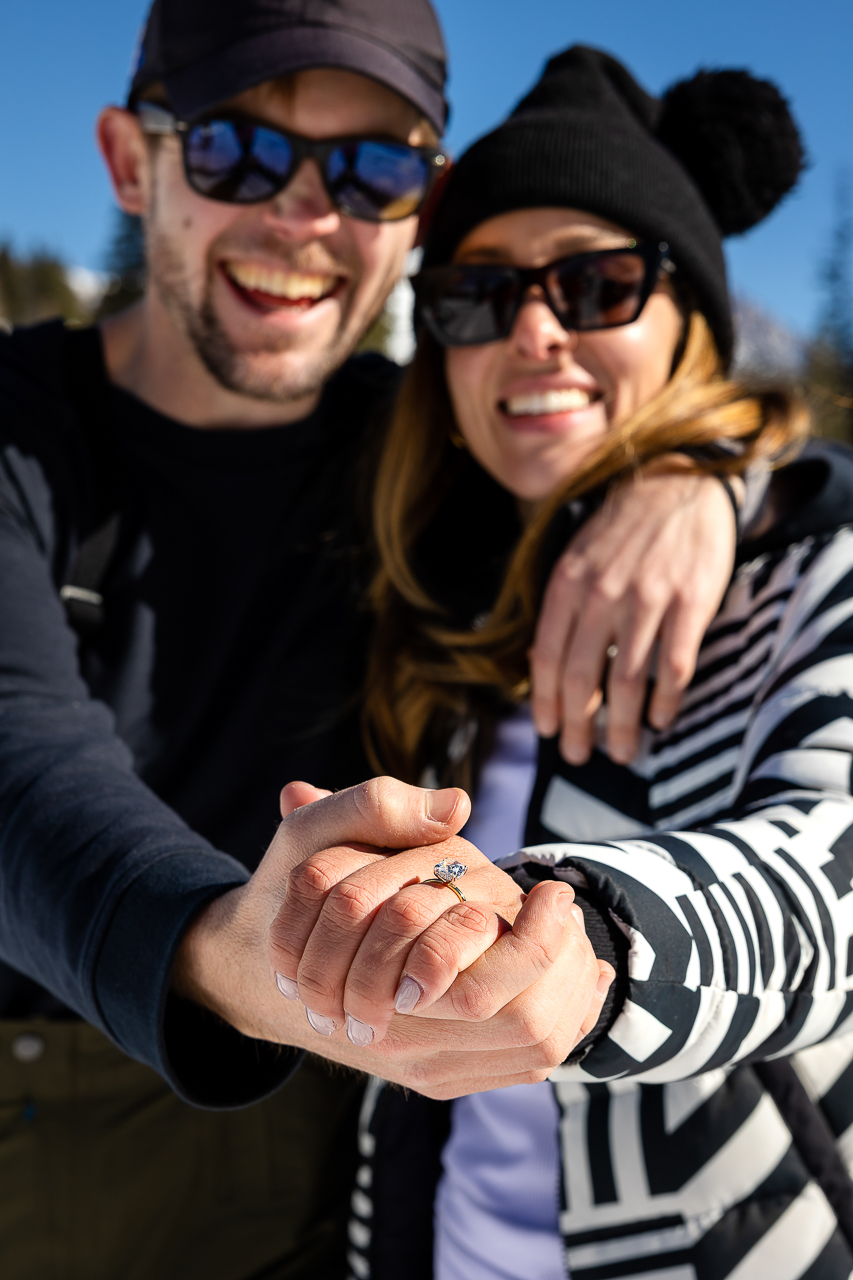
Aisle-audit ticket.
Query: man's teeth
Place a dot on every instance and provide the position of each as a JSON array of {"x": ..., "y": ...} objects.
[
  {"x": 536, "y": 402},
  {"x": 278, "y": 283}
]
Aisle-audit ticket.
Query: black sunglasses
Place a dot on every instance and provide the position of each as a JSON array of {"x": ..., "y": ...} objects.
[
  {"x": 240, "y": 161},
  {"x": 471, "y": 303}
]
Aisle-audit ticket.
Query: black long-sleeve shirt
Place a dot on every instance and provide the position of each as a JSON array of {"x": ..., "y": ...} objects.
[{"x": 142, "y": 780}]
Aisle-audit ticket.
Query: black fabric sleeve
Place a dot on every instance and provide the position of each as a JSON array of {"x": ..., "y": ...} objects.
[
  {"x": 609, "y": 943},
  {"x": 99, "y": 879}
]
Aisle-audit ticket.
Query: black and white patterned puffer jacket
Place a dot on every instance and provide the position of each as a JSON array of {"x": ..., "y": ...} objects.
[{"x": 705, "y": 1135}]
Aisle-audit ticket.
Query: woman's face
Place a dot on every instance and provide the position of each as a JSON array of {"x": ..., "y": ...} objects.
[{"x": 533, "y": 406}]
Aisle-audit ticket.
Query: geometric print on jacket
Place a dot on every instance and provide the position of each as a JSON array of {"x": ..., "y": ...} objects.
[{"x": 725, "y": 853}]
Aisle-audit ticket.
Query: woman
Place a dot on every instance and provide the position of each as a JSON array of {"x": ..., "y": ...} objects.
[{"x": 574, "y": 276}]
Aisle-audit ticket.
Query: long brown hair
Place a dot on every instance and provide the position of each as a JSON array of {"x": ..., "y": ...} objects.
[{"x": 430, "y": 682}]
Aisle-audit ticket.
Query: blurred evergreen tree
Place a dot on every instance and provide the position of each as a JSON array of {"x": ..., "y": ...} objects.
[
  {"x": 36, "y": 287},
  {"x": 125, "y": 263},
  {"x": 830, "y": 364}
]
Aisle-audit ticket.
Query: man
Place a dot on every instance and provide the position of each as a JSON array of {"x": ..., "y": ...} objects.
[{"x": 223, "y": 422}]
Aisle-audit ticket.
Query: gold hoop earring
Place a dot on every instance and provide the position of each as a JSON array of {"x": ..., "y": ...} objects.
[{"x": 457, "y": 440}]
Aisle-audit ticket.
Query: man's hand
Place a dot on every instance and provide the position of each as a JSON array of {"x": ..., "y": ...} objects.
[
  {"x": 222, "y": 962},
  {"x": 651, "y": 567},
  {"x": 493, "y": 1040}
]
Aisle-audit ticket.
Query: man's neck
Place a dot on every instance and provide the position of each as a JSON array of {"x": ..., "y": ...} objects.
[{"x": 147, "y": 354}]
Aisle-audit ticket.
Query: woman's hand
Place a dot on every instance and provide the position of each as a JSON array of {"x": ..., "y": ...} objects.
[
  {"x": 352, "y": 915},
  {"x": 650, "y": 568}
]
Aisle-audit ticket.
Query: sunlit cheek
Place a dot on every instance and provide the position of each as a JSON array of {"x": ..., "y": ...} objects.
[
  {"x": 636, "y": 361},
  {"x": 372, "y": 258}
]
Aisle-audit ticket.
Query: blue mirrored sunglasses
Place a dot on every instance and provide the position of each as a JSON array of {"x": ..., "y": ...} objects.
[{"x": 240, "y": 161}]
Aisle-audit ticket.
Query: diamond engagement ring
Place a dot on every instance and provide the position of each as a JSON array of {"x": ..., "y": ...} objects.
[{"x": 447, "y": 872}]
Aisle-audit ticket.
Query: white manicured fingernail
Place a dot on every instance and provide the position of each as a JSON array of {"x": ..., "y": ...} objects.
[
  {"x": 287, "y": 987},
  {"x": 323, "y": 1025},
  {"x": 359, "y": 1033},
  {"x": 408, "y": 994}
]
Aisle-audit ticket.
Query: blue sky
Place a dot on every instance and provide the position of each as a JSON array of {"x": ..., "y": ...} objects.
[{"x": 60, "y": 60}]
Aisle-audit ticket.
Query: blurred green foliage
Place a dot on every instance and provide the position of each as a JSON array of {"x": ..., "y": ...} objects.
[
  {"x": 36, "y": 287},
  {"x": 125, "y": 265}
]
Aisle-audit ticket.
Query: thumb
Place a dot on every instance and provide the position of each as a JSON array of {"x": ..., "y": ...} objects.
[
  {"x": 383, "y": 813},
  {"x": 296, "y": 794}
]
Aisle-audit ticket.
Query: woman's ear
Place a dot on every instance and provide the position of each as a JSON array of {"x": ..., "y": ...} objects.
[{"x": 126, "y": 154}]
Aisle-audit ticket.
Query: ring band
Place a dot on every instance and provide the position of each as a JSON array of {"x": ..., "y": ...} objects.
[{"x": 446, "y": 884}]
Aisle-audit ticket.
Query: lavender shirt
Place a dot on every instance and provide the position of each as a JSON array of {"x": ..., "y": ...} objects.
[{"x": 498, "y": 1199}]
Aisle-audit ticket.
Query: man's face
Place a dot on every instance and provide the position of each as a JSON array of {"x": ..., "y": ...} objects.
[{"x": 275, "y": 296}]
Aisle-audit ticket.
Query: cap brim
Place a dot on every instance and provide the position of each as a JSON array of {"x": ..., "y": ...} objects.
[{"x": 220, "y": 75}]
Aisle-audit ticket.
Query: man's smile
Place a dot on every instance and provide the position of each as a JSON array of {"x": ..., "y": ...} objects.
[{"x": 279, "y": 288}]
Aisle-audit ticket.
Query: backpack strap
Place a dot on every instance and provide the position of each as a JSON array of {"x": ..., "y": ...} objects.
[{"x": 88, "y": 389}]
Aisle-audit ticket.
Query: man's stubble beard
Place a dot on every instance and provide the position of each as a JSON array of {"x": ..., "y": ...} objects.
[{"x": 238, "y": 371}]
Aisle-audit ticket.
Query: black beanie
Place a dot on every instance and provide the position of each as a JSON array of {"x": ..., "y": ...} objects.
[{"x": 709, "y": 159}]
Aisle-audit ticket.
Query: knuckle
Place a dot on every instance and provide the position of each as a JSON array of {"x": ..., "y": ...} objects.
[
  {"x": 283, "y": 945},
  {"x": 472, "y": 1000},
  {"x": 406, "y": 914},
  {"x": 576, "y": 687},
  {"x": 571, "y": 570},
  {"x": 348, "y": 904},
  {"x": 316, "y": 983},
  {"x": 553, "y": 1053},
  {"x": 377, "y": 799},
  {"x": 527, "y": 1027},
  {"x": 624, "y": 685},
  {"x": 680, "y": 670},
  {"x": 605, "y": 591},
  {"x": 545, "y": 652},
  {"x": 311, "y": 879},
  {"x": 430, "y": 960},
  {"x": 648, "y": 595},
  {"x": 468, "y": 918},
  {"x": 421, "y": 1075},
  {"x": 542, "y": 952}
]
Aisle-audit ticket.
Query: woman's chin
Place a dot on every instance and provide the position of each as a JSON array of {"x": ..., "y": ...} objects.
[
  {"x": 532, "y": 481},
  {"x": 532, "y": 465}
]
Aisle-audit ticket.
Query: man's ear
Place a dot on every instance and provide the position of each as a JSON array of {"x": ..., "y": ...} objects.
[{"x": 122, "y": 144}]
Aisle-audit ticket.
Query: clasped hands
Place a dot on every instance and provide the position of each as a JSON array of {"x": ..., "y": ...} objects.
[
  {"x": 367, "y": 947},
  {"x": 336, "y": 928}
]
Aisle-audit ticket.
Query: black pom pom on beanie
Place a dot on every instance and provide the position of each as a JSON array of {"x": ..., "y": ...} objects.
[{"x": 711, "y": 158}]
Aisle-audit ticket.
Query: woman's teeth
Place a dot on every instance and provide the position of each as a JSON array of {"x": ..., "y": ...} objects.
[
  {"x": 542, "y": 402},
  {"x": 276, "y": 283}
]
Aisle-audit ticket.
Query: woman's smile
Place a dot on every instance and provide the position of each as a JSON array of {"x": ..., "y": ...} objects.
[{"x": 547, "y": 408}]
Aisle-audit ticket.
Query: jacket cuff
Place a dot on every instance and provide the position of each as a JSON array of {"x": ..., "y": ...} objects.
[
  {"x": 608, "y": 942},
  {"x": 206, "y": 1061}
]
